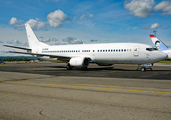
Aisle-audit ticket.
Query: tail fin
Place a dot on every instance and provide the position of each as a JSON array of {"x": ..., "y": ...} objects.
[
  {"x": 158, "y": 43},
  {"x": 32, "y": 39}
]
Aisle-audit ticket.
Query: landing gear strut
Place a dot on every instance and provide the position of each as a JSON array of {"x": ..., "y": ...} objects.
[{"x": 69, "y": 67}]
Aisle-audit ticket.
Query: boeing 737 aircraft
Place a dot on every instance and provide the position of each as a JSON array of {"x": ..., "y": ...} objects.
[
  {"x": 81, "y": 55},
  {"x": 161, "y": 46}
]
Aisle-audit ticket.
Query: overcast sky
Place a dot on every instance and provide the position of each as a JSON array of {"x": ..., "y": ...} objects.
[{"x": 58, "y": 22}]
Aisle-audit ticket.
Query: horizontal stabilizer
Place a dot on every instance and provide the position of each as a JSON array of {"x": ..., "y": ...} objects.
[{"x": 17, "y": 47}]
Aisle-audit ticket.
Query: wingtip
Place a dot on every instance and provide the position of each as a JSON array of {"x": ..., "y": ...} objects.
[{"x": 152, "y": 35}]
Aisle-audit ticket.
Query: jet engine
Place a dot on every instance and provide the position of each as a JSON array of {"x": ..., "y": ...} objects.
[{"x": 79, "y": 62}]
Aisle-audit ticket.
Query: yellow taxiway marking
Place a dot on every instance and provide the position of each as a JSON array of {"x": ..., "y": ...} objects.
[{"x": 76, "y": 86}]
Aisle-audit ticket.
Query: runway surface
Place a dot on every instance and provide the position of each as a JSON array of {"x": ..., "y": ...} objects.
[{"x": 49, "y": 91}]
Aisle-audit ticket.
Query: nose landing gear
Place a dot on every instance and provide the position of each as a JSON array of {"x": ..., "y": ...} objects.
[{"x": 144, "y": 67}]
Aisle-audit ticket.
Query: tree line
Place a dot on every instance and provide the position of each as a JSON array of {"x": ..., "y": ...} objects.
[{"x": 15, "y": 59}]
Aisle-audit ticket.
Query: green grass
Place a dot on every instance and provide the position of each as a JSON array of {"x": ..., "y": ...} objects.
[{"x": 164, "y": 62}]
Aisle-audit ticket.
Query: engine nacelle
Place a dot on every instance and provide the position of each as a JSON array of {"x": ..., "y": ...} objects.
[{"x": 79, "y": 62}]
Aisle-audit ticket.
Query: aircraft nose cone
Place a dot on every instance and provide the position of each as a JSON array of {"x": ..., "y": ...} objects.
[
  {"x": 163, "y": 55},
  {"x": 158, "y": 56}
]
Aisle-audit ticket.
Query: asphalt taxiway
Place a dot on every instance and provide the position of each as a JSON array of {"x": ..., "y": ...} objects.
[{"x": 49, "y": 91}]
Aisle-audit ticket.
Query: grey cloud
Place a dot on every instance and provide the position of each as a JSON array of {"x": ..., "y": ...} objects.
[
  {"x": 2, "y": 51},
  {"x": 56, "y": 18},
  {"x": 164, "y": 6},
  {"x": 37, "y": 24},
  {"x": 93, "y": 40},
  {"x": 85, "y": 16},
  {"x": 14, "y": 41},
  {"x": 42, "y": 39},
  {"x": 34, "y": 23},
  {"x": 46, "y": 40},
  {"x": 153, "y": 26},
  {"x": 72, "y": 40},
  {"x": 54, "y": 39},
  {"x": 17, "y": 42},
  {"x": 145, "y": 27},
  {"x": 143, "y": 8},
  {"x": 140, "y": 8},
  {"x": 60, "y": 44},
  {"x": 16, "y": 22}
]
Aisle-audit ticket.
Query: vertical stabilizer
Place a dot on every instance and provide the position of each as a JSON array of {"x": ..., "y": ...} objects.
[
  {"x": 32, "y": 39},
  {"x": 158, "y": 43}
]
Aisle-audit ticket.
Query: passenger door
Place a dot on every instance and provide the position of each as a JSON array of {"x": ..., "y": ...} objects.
[{"x": 136, "y": 51}]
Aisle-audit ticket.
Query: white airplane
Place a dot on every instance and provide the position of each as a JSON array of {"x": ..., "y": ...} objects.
[
  {"x": 81, "y": 55},
  {"x": 161, "y": 46}
]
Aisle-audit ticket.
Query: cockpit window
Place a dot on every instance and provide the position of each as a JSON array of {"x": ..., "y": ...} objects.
[{"x": 151, "y": 49}]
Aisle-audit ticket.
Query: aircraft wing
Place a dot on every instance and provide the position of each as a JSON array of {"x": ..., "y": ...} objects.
[
  {"x": 62, "y": 58},
  {"x": 17, "y": 47}
]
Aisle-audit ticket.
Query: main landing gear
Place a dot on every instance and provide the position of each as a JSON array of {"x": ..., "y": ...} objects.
[
  {"x": 144, "y": 67},
  {"x": 69, "y": 67}
]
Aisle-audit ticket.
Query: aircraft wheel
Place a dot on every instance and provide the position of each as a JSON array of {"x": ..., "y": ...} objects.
[
  {"x": 68, "y": 67},
  {"x": 143, "y": 69}
]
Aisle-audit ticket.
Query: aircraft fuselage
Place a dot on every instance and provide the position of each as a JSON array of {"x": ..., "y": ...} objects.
[{"x": 108, "y": 53}]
